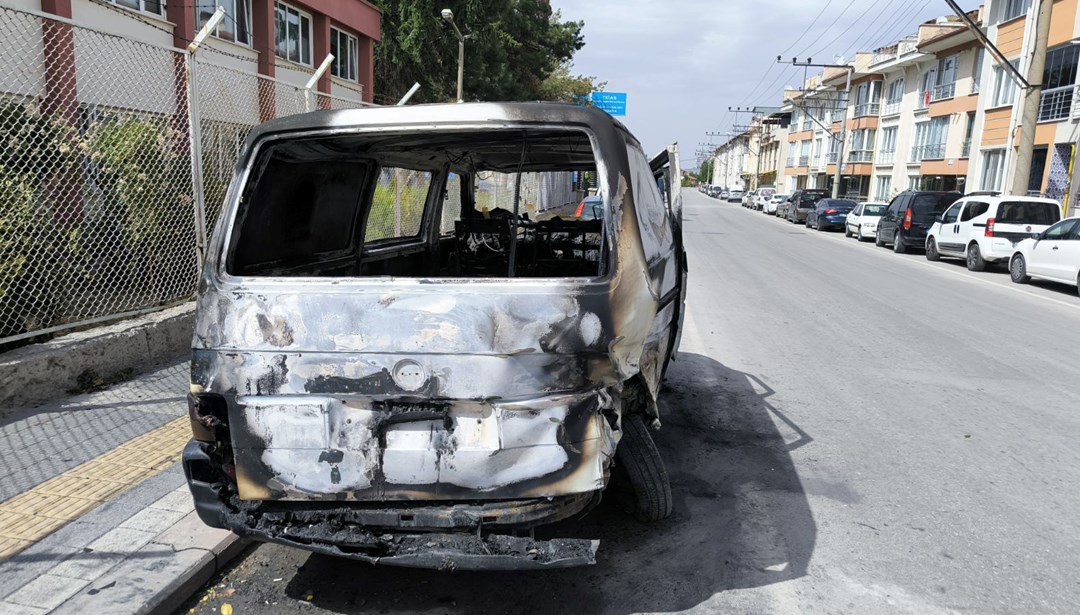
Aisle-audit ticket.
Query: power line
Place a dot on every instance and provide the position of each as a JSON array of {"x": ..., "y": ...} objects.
[
  {"x": 838, "y": 17},
  {"x": 848, "y": 28}
]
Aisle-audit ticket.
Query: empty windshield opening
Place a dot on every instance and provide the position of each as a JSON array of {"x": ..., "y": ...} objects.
[{"x": 453, "y": 204}]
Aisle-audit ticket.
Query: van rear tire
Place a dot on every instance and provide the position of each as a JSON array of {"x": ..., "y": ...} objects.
[{"x": 645, "y": 471}]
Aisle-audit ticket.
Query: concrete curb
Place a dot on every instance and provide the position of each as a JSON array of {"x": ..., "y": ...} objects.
[{"x": 41, "y": 372}]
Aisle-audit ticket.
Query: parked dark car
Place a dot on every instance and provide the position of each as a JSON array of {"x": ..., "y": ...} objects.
[
  {"x": 802, "y": 202},
  {"x": 783, "y": 207},
  {"x": 830, "y": 213},
  {"x": 909, "y": 216}
]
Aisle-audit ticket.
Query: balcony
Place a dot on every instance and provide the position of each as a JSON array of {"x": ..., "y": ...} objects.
[
  {"x": 965, "y": 151},
  {"x": 790, "y": 162},
  {"x": 930, "y": 151},
  {"x": 1056, "y": 104},
  {"x": 886, "y": 157},
  {"x": 861, "y": 155},
  {"x": 943, "y": 92},
  {"x": 892, "y": 107},
  {"x": 804, "y": 161},
  {"x": 867, "y": 109},
  {"x": 830, "y": 158}
]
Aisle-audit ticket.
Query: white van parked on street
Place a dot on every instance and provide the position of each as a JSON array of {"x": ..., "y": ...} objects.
[{"x": 986, "y": 228}]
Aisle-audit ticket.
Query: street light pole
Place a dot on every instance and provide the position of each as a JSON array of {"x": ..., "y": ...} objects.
[{"x": 448, "y": 16}]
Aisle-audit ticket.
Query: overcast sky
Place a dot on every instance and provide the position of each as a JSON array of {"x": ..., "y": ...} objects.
[{"x": 682, "y": 63}]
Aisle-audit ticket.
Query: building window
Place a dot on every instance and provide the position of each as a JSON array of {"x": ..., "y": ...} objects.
[
  {"x": 888, "y": 146},
  {"x": 993, "y": 169},
  {"x": 946, "y": 79},
  {"x": 883, "y": 187},
  {"x": 147, "y": 6},
  {"x": 235, "y": 27},
  {"x": 930, "y": 138},
  {"x": 976, "y": 75},
  {"x": 926, "y": 91},
  {"x": 862, "y": 145},
  {"x": 866, "y": 99},
  {"x": 343, "y": 46},
  {"x": 1058, "y": 78},
  {"x": 292, "y": 34},
  {"x": 894, "y": 97},
  {"x": 1011, "y": 9},
  {"x": 966, "y": 149},
  {"x": 1004, "y": 87}
]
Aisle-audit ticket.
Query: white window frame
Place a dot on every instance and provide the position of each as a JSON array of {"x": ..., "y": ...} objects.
[
  {"x": 140, "y": 6},
  {"x": 1011, "y": 9},
  {"x": 300, "y": 17},
  {"x": 352, "y": 55},
  {"x": 993, "y": 179},
  {"x": 1004, "y": 93},
  {"x": 883, "y": 187},
  {"x": 227, "y": 30}
]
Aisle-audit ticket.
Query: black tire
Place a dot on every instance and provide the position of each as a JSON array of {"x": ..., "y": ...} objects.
[
  {"x": 847, "y": 230},
  {"x": 1018, "y": 269},
  {"x": 898, "y": 245},
  {"x": 974, "y": 259},
  {"x": 645, "y": 470},
  {"x": 878, "y": 241},
  {"x": 858, "y": 234},
  {"x": 819, "y": 226},
  {"x": 931, "y": 250}
]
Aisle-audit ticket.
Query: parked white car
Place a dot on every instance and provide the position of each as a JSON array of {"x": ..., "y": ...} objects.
[
  {"x": 863, "y": 220},
  {"x": 762, "y": 196},
  {"x": 774, "y": 202},
  {"x": 984, "y": 229},
  {"x": 1053, "y": 254},
  {"x": 735, "y": 196}
]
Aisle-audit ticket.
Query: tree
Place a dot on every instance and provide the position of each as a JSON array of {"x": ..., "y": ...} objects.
[
  {"x": 704, "y": 173},
  {"x": 517, "y": 50}
]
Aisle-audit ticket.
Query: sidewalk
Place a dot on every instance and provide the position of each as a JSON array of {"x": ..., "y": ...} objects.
[{"x": 94, "y": 513}]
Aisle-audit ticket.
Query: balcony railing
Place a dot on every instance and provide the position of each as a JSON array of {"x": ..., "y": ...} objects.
[
  {"x": 804, "y": 161},
  {"x": 861, "y": 155},
  {"x": 830, "y": 158},
  {"x": 807, "y": 124},
  {"x": 965, "y": 151},
  {"x": 790, "y": 162},
  {"x": 1056, "y": 104},
  {"x": 930, "y": 151},
  {"x": 892, "y": 107},
  {"x": 867, "y": 109},
  {"x": 941, "y": 92},
  {"x": 886, "y": 157}
]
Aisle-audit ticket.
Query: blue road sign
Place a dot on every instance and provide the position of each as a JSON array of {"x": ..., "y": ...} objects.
[{"x": 612, "y": 102}]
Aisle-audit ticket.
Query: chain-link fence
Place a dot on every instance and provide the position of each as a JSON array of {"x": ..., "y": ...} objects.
[{"x": 99, "y": 212}]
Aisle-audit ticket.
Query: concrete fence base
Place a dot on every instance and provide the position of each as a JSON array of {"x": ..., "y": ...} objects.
[{"x": 35, "y": 374}]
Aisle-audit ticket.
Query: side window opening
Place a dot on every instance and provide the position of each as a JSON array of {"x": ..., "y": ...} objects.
[
  {"x": 952, "y": 213},
  {"x": 363, "y": 206}
]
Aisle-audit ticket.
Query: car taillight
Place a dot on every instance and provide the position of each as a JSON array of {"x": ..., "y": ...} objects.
[
  {"x": 830, "y": 211},
  {"x": 989, "y": 232},
  {"x": 579, "y": 210},
  {"x": 907, "y": 219}
]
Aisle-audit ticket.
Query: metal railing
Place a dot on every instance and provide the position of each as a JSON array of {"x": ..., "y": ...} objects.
[
  {"x": 831, "y": 157},
  {"x": 804, "y": 161},
  {"x": 862, "y": 155},
  {"x": 1056, "y": 104},
  {"x": 886, "y": 157},
  {"x": 930, "y": 151},
  {"x": 104, "y": 204},
  {"x": 790, "y": 162},
  {"x": 867, "y": 109},
  {"x": 942, "y": 92},
  {"x": 892, "y": 107}
]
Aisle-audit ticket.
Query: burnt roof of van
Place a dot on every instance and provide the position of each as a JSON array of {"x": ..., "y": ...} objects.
[{"x": 443, "y": 114}]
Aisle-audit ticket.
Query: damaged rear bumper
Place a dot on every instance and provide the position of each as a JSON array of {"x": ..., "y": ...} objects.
[{"x": 444, "y": 536}]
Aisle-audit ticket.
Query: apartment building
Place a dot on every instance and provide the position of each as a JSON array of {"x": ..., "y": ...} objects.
[
  {"x": 732, "y": 162},
  {"x": 281, "y": 40},
  {"x": 772, "y": 140},
  {"x": 933, "y": 111},
  {"x": 1011, "y": 26}
]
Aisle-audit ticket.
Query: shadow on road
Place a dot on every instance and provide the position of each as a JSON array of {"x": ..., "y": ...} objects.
[{"x": 741, "y": 520}]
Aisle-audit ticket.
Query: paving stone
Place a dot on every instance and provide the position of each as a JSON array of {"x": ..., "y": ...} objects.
[
  {"x": 8, "y": 608},
  {"x": 177, "y": 501},
  {"x": 122, "y": 540},
  {"x": 47, "y": 591},
  {"x": 152, "y": 520},
  {"x": 87, "y": 565}
]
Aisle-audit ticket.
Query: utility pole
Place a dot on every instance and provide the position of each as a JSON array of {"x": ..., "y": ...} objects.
[
  {"x": 1032, "y": 97},
  {"x": 843, "y": 120}
]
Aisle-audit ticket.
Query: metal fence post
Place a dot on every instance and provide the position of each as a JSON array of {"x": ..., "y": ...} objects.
[{"x": 195, "y": 134}]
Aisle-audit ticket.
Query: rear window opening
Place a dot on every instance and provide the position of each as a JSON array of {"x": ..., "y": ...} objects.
[{"x": 451, "y": 204}]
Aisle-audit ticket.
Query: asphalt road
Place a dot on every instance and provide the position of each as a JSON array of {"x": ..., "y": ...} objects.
[{"x": 847, "y": 430}]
